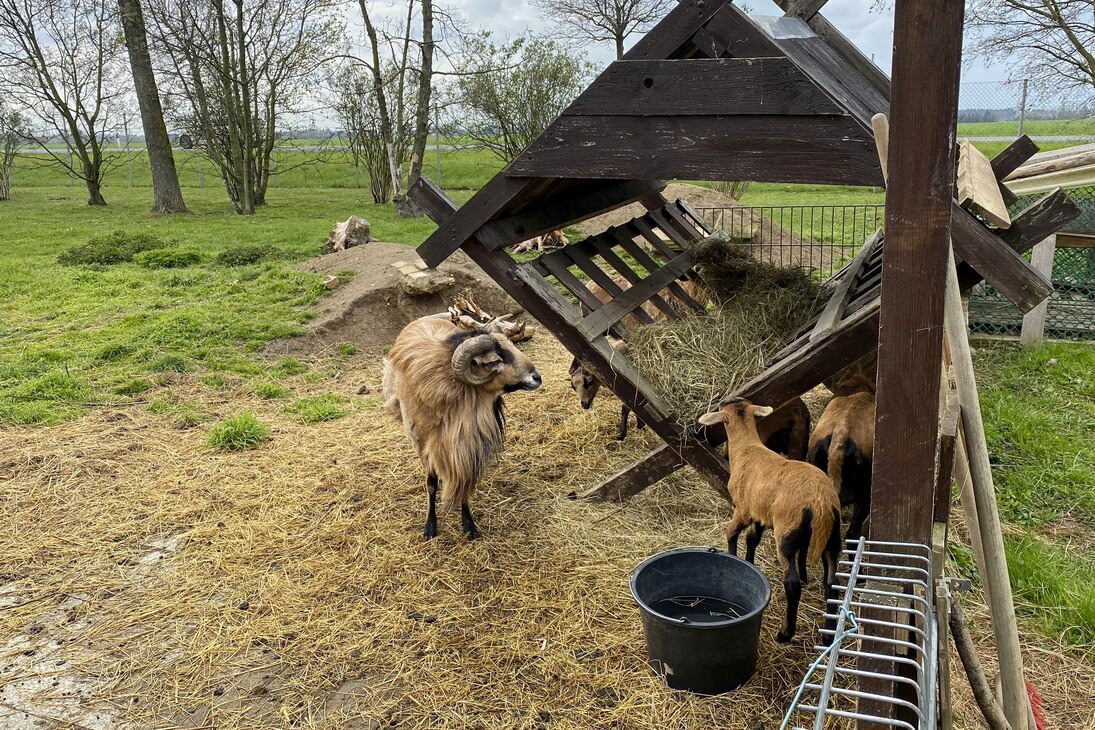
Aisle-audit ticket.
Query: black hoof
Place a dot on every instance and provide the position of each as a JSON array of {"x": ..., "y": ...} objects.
[
  {"x": 621, "y": 436},
  {"x": 472, "y": 532},
  {"x": 785, "y": 638},
  {"x": 430, "y": 531}
]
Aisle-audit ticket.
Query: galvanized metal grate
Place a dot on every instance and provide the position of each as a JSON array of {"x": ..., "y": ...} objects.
[{"x": 884, "y": 624}]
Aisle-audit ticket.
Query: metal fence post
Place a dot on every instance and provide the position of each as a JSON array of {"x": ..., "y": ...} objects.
[
  {"x": 201, "y": 180},
  {"x": 128, "y": 155},
  {"x": 275, "y": 173},
  {"x": 71, "y": 177},
  {"x": 437, "y": 141},
  {"x": 1022, "y": 108}
]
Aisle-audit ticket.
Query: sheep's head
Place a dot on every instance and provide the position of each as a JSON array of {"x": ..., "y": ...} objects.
[
  {"x": 584, "y": 383},
  {"x": 736, "y": 410},
  {"x": 493, "y": 363}
]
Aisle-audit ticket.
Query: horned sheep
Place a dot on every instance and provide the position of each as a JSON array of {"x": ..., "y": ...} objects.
[
  {"x": 445, "y": 384},
  {"x": 793, "y": 498}
]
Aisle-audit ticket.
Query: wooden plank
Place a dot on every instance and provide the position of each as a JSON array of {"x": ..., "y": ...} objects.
[
  {"x": 674, "y": 32},
  {"x": 591, "y": 269},
  {"x": 1077, "y": 177},
  {"x": 555, "y": 213},
  {"x": 622, "y": 486},
  {"x": 1075, "y": 240},
  {"x": 470, "y": 217},
  {"x": 559, "y": 317},
  {"x": 643, "y": 227},
  {"x": 657, "y": 212},
  {"x": 559, "y": 268},
  {"x": 830, "y": 317},
  {"x": 807, "y": 149},
  {"x": 804, "y": 9},
  {"x": 1057, "y": 164},
  {"x": 978, "y": 189},
  {"x": 598, "y": 322},
  {"x": 730, "y": 86},
  {"x": 738, "y": 36},
  {"x": 996, "y": 580},
  {"x": 698, "y": 221},
  {"x": 1011, "y": 157},
  {"x": 636, "y": 251},
  {"x": 1040, "y": 220},
  {"x": 880, "y": 123},
  {"x": 1034, "y": 321},
  {"x": 997, "y": 262}
]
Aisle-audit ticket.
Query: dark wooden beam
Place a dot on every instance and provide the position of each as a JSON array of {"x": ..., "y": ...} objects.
[
  {"x": 804, "y": 9},
  {"x": 484, "y": 205},
  {"x": 559, "y": 213},
  {"x": 735, "y": 35},
  {"x": 833, "y": 313},
  {"x": 997, "y": 262},
  {"x": 675, "y": 30},
  {"x": 1011, "y": 157},
  {"x": 560, "y": 317},
  {"x": 598, "y": 322},
  {"x": 1049, "y": 214},
  {"x": 622, "y": 486},
  {"x": 919, "y": 209},
  {"x": 729, "y": 86},
  {"x": 805, "y": 149}
]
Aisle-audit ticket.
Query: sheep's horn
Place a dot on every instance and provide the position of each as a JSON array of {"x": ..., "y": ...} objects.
[{"x": 462, "y": 357}]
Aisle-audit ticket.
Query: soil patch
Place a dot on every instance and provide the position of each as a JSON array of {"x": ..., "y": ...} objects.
[{"x": 370, "y": 309}]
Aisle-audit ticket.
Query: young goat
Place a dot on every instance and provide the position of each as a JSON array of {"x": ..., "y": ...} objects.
[
  {"x": 587, "y": 385},
  {"x": 793, "y": 498},
  {"x": 843, "y": 446},
  {"x": 445, "y": 384}
]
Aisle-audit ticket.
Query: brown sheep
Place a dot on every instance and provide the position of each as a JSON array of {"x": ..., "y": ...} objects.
[
  {"x": 445, "y": 384},
  {"x": 794, "y": 498},
  {"x": 843, "y": 446}
]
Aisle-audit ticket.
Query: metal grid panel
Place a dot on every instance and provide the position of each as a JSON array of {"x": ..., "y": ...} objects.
[{"x": 882, "y": 616}]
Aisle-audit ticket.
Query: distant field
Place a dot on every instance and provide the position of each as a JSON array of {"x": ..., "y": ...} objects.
[{"x": 1034, "y": 128}]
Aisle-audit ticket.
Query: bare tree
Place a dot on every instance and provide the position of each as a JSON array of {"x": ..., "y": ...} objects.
[
  {"x": 603, "y": 20},
  {"x": 59, "y": 58},
  {"x": 1052, "y": 41},
  {"x": 11, "y": 136},
  {"x": 510, "y": 93},
  {"x": 239, "y": 69},
  {"x": 356, "y": 105},
  {"x": 166, "y": 193}
]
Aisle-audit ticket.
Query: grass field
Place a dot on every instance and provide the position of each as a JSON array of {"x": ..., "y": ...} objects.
[{"x": 1034, "y": 128}]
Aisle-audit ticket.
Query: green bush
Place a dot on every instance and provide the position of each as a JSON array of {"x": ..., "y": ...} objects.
[
  {"x": 318, "y": 408},
  {"x": 245, "y": 255},
  {"x": 167, "y": 258},
  {"x": 115, "y": 248},
  {"x": 242, "y": 431}
]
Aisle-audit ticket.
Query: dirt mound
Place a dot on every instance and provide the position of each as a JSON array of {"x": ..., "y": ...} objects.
[{"x": 371, "y": 308}]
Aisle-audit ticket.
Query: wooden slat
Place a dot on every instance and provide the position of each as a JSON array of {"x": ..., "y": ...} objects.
[
  {"x": 1073, "y": 178},
  {"x": 738, "y": 36},
  {"x": 978, "y": 189},
  {"x": 643, "y": 227},
  {"x": 998, "y": 263},
  {"x": 684, "y": 223},
  {"x": 697, "y": 220},
  {"x": 1034, "y": 321},
  {"x": 828, "y": 71},
  {"x": 559, "y": 268},
  {"x": 804, "y": 9},
  {"x": 730, "y": 86},
  {"x": 598, "y": 322},
  {"x": 880, "y": 123},
  {"x": 627, "y": 243},
  {"x": 1012, "y": 156},
  {"x": 1075, "y": 240},
  {"x": 591, "y": 269},
  {"x": 556, "y": 214},
  {"x": 1057, "y": 164},
  {"x": 1039, "y": 220},
  {"x": 655, "y": 466},
  {"x": 675, "y": 30},
  {"x": 656, "y": 210},
  {"x": 830, "y": 317},
  {"x": 805, "y": 149}
]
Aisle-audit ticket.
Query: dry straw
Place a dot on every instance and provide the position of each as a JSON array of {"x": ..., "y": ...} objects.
[{"x": 695, "y": 361}]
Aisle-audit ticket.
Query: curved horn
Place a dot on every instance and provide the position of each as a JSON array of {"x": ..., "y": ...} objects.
[{"x": 462, "y": 356}]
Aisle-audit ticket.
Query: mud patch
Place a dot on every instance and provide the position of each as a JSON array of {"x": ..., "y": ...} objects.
[{"x": 371, "y": 308}]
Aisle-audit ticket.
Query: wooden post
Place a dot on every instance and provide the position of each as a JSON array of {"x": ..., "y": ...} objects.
[
  {"x": 996, "y": 579},
  {"x": 1034, "y": 321},
  {"x": 924, "y": 108}
]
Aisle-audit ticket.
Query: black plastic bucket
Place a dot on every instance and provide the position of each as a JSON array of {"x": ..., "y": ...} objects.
[{"x": 701, "y": 611}]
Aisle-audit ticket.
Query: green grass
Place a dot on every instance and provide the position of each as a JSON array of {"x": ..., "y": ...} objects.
[
  {"x": 242, "y": 431},
  {"x": 102, "y": 326},
  {"x": 318, "y": 408},
  {"x": 1034, "y": 128},
  {"x": 1055, "y": 589},
  {"x": 268, "y": 390}
]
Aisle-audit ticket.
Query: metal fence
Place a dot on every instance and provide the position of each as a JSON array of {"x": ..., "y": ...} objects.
[
  {"x": 820, "y": 238},
  {"x": 1000, "y": 111},
  {"x": 1071, "y": 310}
]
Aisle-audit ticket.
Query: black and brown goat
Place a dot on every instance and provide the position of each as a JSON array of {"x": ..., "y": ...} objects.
[
  {"x": 793, "y": 498},
  {"x": 445, "y": 384}
]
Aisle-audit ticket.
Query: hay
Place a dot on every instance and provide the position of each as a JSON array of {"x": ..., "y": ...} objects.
[
  {"x": 696, "y": 361},
  {"x": 288, "y": 586}
]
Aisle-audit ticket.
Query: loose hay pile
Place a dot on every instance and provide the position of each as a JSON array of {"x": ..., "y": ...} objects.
[{"x": 696, "y": 361}]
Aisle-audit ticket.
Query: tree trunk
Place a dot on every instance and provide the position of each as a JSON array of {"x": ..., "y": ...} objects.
[
  {"x": 166, "y": 193},
  {"x": 619, "y": 45},
  {"x": 94, "y": 192},
  {"x": 425, "y": 93}
]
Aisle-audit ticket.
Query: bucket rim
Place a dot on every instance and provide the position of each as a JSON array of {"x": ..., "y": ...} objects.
[{"x": 706, "y": 625}]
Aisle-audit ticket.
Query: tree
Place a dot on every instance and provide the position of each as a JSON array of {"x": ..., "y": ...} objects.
[
  {"x": 1053, "y": 41},
  {"x": 510, "y": 93},
  {"x": 238, "y": 71},
  {"x": 60, "y": 60},
  {"x": 603, "y": 20},
  {"x": 11, "y": 136},
  {"x": 166, "y": 193},
  {"x": 356, "y": 105}
]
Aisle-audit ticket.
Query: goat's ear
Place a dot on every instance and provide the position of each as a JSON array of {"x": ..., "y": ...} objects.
[
  {"x": 762, "y": 411},
  {"x": 710, "y": 419}
]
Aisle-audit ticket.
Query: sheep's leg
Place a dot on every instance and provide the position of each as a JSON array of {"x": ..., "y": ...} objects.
[
  {"x": 621, "y": 432},
  {"x": 752, "y": 539},
  {"x": 430, "y": 531},
  {"x": 830, "y": 559},
  {"x": 466, "y": 520},
  {"x": 792, "y": 587},
  {"x": 737, "y": 523},
  {"x": 860, "y": 512}
]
